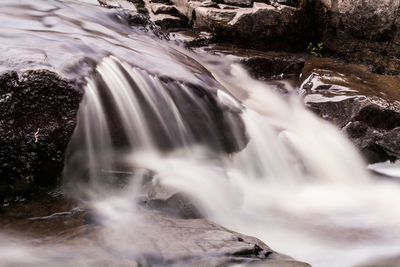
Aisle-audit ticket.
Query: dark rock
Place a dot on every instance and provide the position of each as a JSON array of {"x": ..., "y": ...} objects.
[
  {"x": 37, "y": 117},
  {"x": 364, "y": 31},
  {"x": 390, "y": 142},
  {"x": 209, "y": 3},
  {"x": 274, "y": 66},
  {"x": 163, "y": 9},
  {"x": 241, "y": 3},
  {"x": 365, "y": 105},
  {"x": 268, "y": 27},
  {"x": 165, "y": 2},
  {"x": 137, "y": 19}
]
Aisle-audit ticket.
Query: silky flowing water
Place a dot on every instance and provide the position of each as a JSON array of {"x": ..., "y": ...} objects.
[{"x": 298, "y": 184}]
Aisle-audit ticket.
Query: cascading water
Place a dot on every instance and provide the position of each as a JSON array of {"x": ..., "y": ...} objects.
[
  {"x": 247, "y": 158},
  {"x": 298, "y": 184}
]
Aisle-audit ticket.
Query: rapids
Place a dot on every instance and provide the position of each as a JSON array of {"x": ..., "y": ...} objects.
[{"x": 285, "y": 176}]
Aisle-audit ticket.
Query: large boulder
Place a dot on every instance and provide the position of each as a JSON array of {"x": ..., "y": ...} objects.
[
  {"x": 37, "y": 118},
  {"x": 365, "y": 31},
  {"x": 365, "y": 105},
  {"x": 276, "y": 27},
  {"x": 258, "y": 25}
]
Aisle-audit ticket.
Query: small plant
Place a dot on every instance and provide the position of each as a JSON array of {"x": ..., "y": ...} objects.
[
  {"x": 301, "y": 3},
  {"x": 315, "y": 50}
]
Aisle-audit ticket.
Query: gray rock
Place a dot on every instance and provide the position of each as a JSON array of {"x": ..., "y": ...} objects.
[
  {"x": 209, "y": 18},
  {"x": 166, "y": 21},
  {"x": 365, "y": 31}
]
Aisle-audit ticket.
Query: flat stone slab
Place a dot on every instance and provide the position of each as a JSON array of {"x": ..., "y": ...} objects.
[
  {"x": 160, "y": 239},
  {"x": 56, "y": 229}
]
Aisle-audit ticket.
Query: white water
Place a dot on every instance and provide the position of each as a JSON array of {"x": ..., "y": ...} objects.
[{"x": 298, "y": 185}]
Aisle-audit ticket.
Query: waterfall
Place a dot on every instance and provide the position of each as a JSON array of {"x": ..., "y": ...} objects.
[
  {"x": 160, "y": 122},
  {"x": 289, "y": 178}
]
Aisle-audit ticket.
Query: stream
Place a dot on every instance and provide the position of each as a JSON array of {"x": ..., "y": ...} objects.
[{"x": 158, "y": 120}]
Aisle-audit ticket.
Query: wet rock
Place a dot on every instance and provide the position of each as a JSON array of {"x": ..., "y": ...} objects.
[
  {"x": 272, "y": 66},
  {"x": 168, "y": 241},
  {"x": 191, "y": 38},
  {"x": 365, "y": 31},
  {"x": 261, "y": 65},
  {"x": 177, "y": 205},
  {"x": 37, "y": 118},
  {"x": 41, "y": 215},
  {"x": 365, "y": 105}
]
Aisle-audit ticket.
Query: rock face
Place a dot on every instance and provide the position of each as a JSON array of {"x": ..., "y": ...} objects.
[
  {"x": 37, "y": 118},
  {"x": 365, "y": 105},
  {"x": 360, "y": 31},
  {"x": 257, "y": 25},
  {"x": 365, "y": 31},
  {"x": 277, "y": 27}
]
